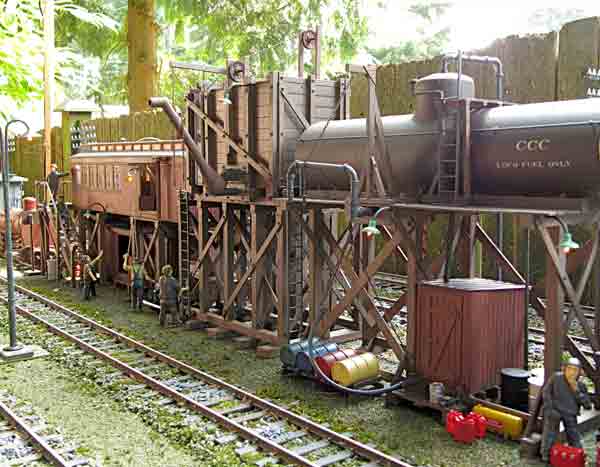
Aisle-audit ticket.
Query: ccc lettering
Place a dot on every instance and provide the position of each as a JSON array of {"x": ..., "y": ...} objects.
[{"x": 533, "y": 145}]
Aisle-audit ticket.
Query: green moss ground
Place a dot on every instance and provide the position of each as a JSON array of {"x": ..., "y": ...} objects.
[
  {"x": 413, "y": 435},
  {"x": 87, "y": 417}
]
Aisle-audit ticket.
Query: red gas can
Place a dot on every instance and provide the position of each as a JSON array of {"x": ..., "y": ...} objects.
[
  {"x": 462, "y": 429},
  {"x": 451, "y": 420},
  {"x": 566, "y": 456},
  {"x": 480, "y": 424},
  {"x": 465, "y": 431}
]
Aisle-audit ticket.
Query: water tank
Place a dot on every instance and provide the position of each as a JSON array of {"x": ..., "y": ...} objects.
[{"x": 412, "y": 140}]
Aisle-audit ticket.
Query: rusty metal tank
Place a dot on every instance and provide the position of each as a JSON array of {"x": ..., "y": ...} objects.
[
  {"x": 546, "y": 149},
  {"x": 552, "y": 148},
  {"x": 412, "y": 140}
]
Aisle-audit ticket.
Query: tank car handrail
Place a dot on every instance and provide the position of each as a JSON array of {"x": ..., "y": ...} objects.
[
  {"x": 354, "y": 181},
  {"x": 495, "y": 61}
]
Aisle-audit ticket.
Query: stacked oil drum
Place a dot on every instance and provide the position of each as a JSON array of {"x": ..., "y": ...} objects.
[{"x": 346, "y": 367}]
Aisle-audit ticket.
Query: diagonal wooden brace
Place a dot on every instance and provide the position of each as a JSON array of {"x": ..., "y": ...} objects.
[
  {"x": 567, "y": 286},
  {"x": 358, "y": 284},
  {"x": 255, "y": 261},
  {"x": 337, "y": 272},
  {"x": 256, "y": 165}
]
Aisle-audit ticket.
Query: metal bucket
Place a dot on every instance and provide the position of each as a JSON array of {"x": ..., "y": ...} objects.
[
  {"x": 436, "y": 391},
  {"x": 52, "y": 273},
  {"x": 326, "y": 362},
  {"x": 515, "y": 388},
  {"x": 355, "y": 369},
  {"x": 288, "y": 353},
  {"x": 303, "y": 358}
]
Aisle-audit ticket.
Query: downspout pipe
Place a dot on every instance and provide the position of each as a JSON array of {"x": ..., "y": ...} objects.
[
  {"x": 495, "y": 61},
  {"x": 354, "y": 181},
  {"x": 215, "y": 184}
]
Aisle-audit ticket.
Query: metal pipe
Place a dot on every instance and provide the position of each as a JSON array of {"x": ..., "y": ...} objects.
[
  {"x": 495, "y": 61},
  {"x": 354, "y": 181},
  {"x": 12, "y": 317},
  {"x": 198, "y": 67},
  {"x": 214, "y": 182}
]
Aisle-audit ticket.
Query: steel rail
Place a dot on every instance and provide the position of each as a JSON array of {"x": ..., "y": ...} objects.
[
  {"x": 45, "y": 450},
  {"x": 312, "y": 427}
]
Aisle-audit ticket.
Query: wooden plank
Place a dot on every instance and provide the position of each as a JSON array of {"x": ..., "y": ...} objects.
[
  {"x": 237, "y": 326},
  {"x": 579, "y": 48}
]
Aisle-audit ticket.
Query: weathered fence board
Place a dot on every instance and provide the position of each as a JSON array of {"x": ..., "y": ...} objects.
[{"x": 579, "y": 48}]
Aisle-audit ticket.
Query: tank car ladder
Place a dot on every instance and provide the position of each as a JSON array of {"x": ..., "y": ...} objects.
[
  {"x": 184, "y": 249},
  {"x": 448, "y": 157}
]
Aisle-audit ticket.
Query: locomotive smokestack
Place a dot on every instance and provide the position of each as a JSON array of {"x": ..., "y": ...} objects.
[{"x": 214, "y": 182}]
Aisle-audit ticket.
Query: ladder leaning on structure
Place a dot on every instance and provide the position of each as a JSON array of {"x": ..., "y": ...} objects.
[{"x": 184, "y": 249}]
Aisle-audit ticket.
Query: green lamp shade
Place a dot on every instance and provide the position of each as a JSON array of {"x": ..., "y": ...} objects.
[
  {"x": 567, "y": 242},
  {"x": 371, "y": 229}
]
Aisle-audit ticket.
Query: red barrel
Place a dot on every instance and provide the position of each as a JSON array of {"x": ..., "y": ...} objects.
[
  {"x": 29, "y": 203},
  {"x": 326, "y": 362}
]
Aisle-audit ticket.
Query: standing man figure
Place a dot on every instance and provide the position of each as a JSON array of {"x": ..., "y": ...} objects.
[
  {"x": 90, "y": 276},
  {"x": 563, "y": 396},
  {"x": 138, "y": 274},
  {"x": 54, "y": 180},
  {"x": 169, "y": 297}
]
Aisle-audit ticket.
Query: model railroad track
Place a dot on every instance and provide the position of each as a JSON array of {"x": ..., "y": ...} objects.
[
  {"x": 25, "y": 439},
  {"x": 272, "y": 431}
]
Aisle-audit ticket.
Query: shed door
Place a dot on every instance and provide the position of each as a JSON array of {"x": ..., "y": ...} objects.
[{"x": 444, "y": 349}]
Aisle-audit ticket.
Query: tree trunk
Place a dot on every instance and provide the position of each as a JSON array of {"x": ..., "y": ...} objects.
[{"x": 141, "y": 40}]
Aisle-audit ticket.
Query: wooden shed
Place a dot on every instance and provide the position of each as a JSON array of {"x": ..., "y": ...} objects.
[{"x": 468, "y": 330}]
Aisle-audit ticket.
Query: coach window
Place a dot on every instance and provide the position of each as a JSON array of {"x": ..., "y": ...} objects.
[{"x": 148, "y": 187}]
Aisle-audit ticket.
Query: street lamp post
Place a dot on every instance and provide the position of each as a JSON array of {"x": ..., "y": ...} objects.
[{"x": 14, "y": 349}]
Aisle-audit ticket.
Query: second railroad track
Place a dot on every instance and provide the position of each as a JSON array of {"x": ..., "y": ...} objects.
[{"x": 280, "y": 434}]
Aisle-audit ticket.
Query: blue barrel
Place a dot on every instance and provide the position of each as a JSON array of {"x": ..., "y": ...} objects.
[
  {"x": 288, "y": 353},
  {"x": 303, "y": 358}
]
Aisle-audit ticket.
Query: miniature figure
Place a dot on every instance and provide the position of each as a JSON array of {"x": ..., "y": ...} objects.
[
  {"x": 90, "y": 276},
  {"x": 138, "y": 274},
  {"x": 169, "y": 297},
  {"x": 563, "y": 396},
  {"x": 53, "y": 180}
]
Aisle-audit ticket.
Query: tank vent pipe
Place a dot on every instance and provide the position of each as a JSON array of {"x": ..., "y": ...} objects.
[{"x": 214, "y": 182}]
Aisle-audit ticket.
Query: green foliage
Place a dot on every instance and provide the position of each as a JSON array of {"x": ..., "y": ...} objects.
[
  {"x": 210, "y": 31},
  {"x": 21, "y": 48},
  {"x": 427, "y": 44}
]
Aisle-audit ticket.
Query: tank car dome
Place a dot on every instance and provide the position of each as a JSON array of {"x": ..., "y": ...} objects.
[{"x": 427, "y": 95}]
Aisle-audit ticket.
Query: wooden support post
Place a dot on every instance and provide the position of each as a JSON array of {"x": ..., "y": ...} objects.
[
  {"x": 227, "y": 255},
  {"x": 48, "y": 83},
  {"x": 316, "y": 270},
  {"x": 243, "y": 252},
  {"x": 203, "y": 235},
  {"x": 553, "y": 317},
  {"x": 414, "y": 258},
  {"x": 367, "y": 257},
  {"x": 596, "y": 291},
  {"x": 281, "y": 278},
  {"x": 261, "y": 305}
]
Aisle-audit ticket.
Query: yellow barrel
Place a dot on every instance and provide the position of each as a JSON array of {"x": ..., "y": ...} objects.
[
  {"x": 511, "y": 425},
  {"x": 355, "y": 369}
]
